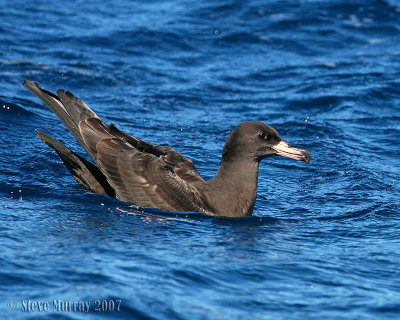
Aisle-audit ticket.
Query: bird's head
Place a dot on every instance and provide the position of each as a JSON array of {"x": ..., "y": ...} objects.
[{"x": 256, "y": 140}]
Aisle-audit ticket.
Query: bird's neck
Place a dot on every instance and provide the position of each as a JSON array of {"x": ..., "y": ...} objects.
[{"x": 233, "y": 190}]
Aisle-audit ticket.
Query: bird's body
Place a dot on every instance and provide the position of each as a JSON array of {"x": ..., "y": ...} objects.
[{"x": 153, "y": 176}]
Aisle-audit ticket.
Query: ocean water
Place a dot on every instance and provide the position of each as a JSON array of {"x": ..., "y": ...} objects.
[{"x": 324, "y": 240}]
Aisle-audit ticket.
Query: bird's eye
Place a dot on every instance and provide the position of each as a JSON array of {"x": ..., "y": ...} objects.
[{"x": 262, "y": 136}]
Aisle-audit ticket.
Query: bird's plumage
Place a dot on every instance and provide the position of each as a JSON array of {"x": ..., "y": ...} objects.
[{"x": 150, "y": 175}]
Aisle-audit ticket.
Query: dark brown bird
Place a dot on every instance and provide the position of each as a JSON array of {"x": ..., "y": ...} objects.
[{"x": 153, "y": 176}]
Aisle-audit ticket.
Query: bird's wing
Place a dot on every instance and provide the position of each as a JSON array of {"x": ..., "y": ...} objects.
[
  {"x": 68, "y": 108},
  {"x": 181, "y": 165},
  {"x": 142, "y": 173},
  {"x": 88, "y": 176},
  {"x": 145, "y": 179},
  {"x": 139, "y": 172}
]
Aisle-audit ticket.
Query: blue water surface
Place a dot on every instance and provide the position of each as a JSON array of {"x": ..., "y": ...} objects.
[{"x": 324, "y": 240}]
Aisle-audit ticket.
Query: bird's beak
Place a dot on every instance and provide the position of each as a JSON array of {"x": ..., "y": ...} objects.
[{"x": 284, "y": 150}]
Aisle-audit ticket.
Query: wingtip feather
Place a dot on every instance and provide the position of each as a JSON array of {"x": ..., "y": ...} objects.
[{"x": 29, "y": 83}]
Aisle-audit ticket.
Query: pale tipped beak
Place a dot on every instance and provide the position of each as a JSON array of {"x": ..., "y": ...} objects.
[{"x": 284, "y": 150}]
